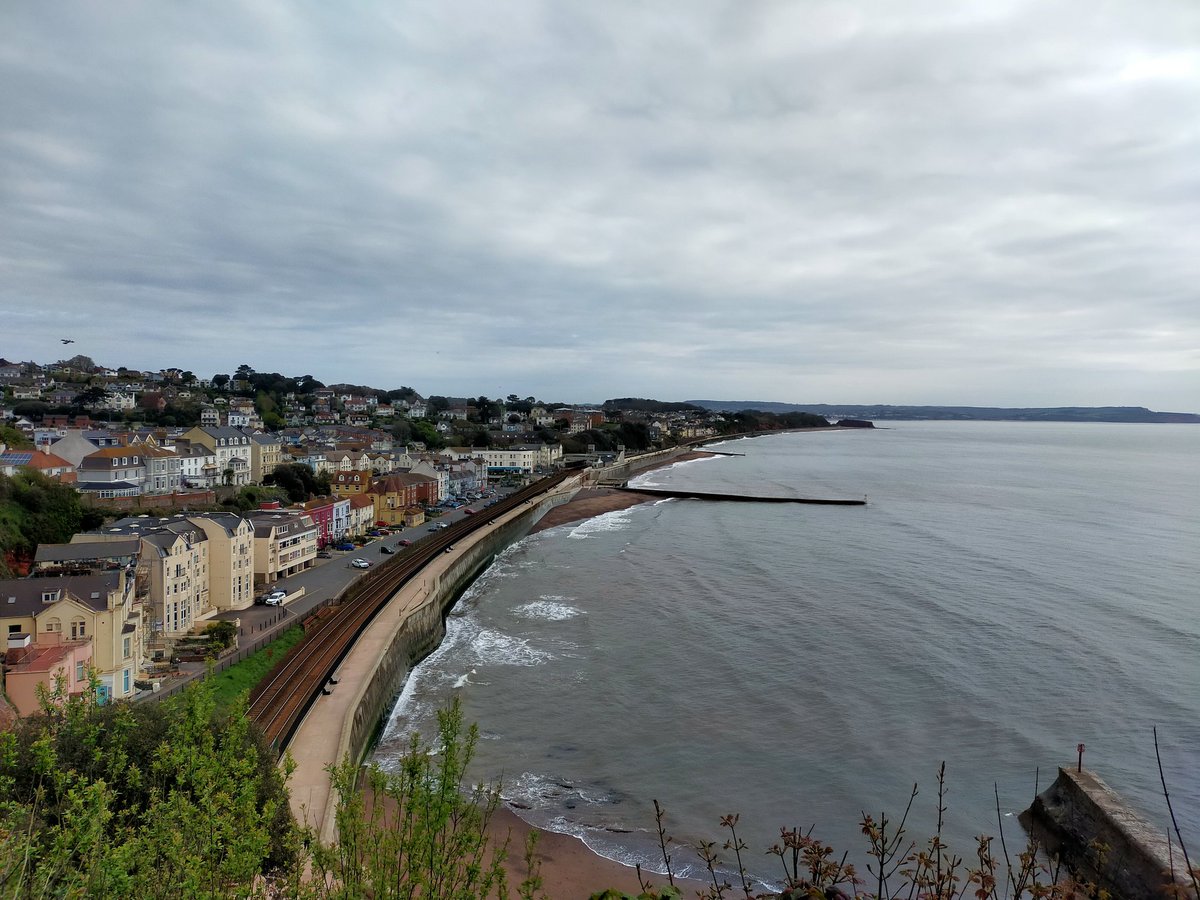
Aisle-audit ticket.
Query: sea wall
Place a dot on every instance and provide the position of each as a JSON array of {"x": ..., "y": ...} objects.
[
  {"x": 1079, "y": 809},
  {"x": 622, "y": 472},
  {"x": 420, "y": 630}
]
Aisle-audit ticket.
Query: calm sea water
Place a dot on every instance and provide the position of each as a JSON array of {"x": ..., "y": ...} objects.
[{"x": 1010, "y": 591}]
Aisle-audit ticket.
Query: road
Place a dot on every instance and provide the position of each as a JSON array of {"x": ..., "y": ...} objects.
[{"x": 329, "y": 576}]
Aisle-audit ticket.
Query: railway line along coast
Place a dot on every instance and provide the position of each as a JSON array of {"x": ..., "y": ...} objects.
[{"x": 325, "y": 700}]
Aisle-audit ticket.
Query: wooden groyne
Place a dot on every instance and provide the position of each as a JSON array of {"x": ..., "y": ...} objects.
[{"x": 738, "y": 498}]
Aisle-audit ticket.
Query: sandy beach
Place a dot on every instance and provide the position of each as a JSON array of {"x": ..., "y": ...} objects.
[
  {"x": 591, "y": 502},
  {"x": 570, "y": 870}
]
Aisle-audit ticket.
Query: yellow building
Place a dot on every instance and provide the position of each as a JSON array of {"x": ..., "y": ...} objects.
[
  {"x": 74, "y": 608},
  {"x": 284, "y": 543},
  {"x": 230, "y": 559}
]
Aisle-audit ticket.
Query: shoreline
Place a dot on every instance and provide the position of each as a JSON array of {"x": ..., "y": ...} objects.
[
  {"x": 568, "y": 866},
  {"x": 592, "y": 502}
]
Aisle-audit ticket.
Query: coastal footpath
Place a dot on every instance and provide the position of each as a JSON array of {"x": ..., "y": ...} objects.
[{"x": 343, "y": 722}]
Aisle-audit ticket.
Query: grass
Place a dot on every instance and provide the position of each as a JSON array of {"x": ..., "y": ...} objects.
[{"x": 240, "y": 678}]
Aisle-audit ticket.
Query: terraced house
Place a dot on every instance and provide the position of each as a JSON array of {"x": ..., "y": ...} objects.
[
  {"x": 284, "y": 543},
  {"x": 67, "y": 622},
  {"x": 174, "y": 556},
  {"x": 231, "y": 448}
]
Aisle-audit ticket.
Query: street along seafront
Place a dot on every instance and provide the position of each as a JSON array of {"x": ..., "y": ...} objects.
[{"x": 1010, "y": 591}]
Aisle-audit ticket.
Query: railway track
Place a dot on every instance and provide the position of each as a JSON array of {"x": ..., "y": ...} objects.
[{"x": 280, "y": 700}]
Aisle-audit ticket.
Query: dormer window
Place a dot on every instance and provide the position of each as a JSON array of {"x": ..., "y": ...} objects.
[
  {"x": 50, "y": 596},
  {"x": 135, "y": 462}
]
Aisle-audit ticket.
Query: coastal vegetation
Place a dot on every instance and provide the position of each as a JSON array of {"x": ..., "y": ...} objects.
[
  {"x": 235, "y": 683},
  {"x": 184, "y": 798},
  {"x": 36, "y": 510}
]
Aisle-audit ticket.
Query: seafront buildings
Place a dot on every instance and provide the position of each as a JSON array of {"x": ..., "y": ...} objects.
[{"x": 169, "y": 558}]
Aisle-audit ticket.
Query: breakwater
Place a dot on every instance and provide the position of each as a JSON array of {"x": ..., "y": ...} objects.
[
  {"x": 739, "y": 498},
  {"x": 1080, "y": 812}
]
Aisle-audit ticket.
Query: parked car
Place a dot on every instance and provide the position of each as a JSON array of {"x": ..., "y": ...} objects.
[
  {"x": 324, "y": 554},
  {"x": 344, "y": 545},
  {"x": 385, "y": 549},
  {"x": 275, "y": 598},
  {"x": 468, "y": 512},
  {"x": 359, "y": 563},
  {"x": 405, "y": 544}
]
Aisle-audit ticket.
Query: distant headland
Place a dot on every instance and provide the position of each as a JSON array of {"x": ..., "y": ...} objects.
[{"x": 958, "y": 413}]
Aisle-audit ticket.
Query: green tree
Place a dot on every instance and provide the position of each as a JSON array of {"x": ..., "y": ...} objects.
[
  {"x": 154, "y": 800},
  {"x": 298, "y": 481},
  {"x": 14, "y": 438},
  {"x": 425, "y": 834},
  {"x": 423, "y": 430}
]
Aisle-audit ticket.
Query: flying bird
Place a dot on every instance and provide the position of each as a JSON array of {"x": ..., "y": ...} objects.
[{"x": 67, "y": 340}]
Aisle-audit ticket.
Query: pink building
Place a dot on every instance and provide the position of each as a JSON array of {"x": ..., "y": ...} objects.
[{"x": 28, "y": 664}]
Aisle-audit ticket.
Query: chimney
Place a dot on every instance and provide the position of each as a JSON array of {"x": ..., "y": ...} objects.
[{"x": 18, "y": 648}]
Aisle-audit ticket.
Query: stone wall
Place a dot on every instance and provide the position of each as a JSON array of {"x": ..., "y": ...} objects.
[{"x": 1079, "y": 809}]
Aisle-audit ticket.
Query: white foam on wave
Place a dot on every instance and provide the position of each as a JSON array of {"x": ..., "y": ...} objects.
[
  {"x": 610, "y": 521},
  {"x": 407, "y": 712},
  {"x": 550, "y": 607},
  {"x": 494, "y": 648},
  {"x": 650, "y": 479}
]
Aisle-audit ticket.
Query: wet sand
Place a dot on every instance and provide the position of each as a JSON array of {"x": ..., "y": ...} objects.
[
  {"x": 569, "y": 870},
  {"x": 591, "y": 502}
]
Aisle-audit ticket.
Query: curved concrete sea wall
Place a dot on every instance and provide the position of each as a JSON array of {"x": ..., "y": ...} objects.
[
  {"x": 418, "y": 632},
  {"x": 1079, "y": 809}
]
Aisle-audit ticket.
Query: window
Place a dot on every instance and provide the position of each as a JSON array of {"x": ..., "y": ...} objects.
[
  {"x": 125, "y": 680},
  {"x": 49, "y": 596},
  {"x": 14, "y": 629},
  {"x": 79, "y": 671},
  {"x": 51, "y": 626},
  {"x": 78, "y": 629}
]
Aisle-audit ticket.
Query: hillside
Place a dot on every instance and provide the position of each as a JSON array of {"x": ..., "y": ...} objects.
[{"x": 958, "y": 413}]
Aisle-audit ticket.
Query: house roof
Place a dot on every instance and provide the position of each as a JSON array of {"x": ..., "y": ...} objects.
[
  {"x": 89, "y": 551},
  {"x": 42, "y": 657},
  {"x": 393, "y": 483},
  {"x": 23, "y": 596}
]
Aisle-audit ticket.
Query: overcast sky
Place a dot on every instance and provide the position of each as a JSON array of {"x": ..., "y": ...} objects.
[{"x": 985, "y": 203}]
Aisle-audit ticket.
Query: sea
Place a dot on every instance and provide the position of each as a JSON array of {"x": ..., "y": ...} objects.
[{"x": 1009, "y": 592}]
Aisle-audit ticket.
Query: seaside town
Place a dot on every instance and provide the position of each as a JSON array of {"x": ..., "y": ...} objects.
[{"x": 199, "y": 494}]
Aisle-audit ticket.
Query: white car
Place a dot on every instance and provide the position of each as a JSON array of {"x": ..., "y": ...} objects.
[
  {"x": 359, "y": 563},
  {"x": 275, "y": 598}
]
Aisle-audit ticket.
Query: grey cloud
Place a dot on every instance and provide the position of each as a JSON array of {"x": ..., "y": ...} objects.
[{"x": 860, "y": 202}]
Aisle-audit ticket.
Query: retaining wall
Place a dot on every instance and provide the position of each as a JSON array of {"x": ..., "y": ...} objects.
[
  {"x": 1079, "y": 809},
  {"x": 419, "y": 633}
]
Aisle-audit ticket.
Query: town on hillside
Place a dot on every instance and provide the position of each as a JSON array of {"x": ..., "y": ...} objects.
[{"x": 180, "y": 498}]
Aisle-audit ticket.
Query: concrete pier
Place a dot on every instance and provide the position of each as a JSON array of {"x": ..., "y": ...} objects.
[
  {"x": 738, "y": 498},
  {"x": 1079, "y": 809}
]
